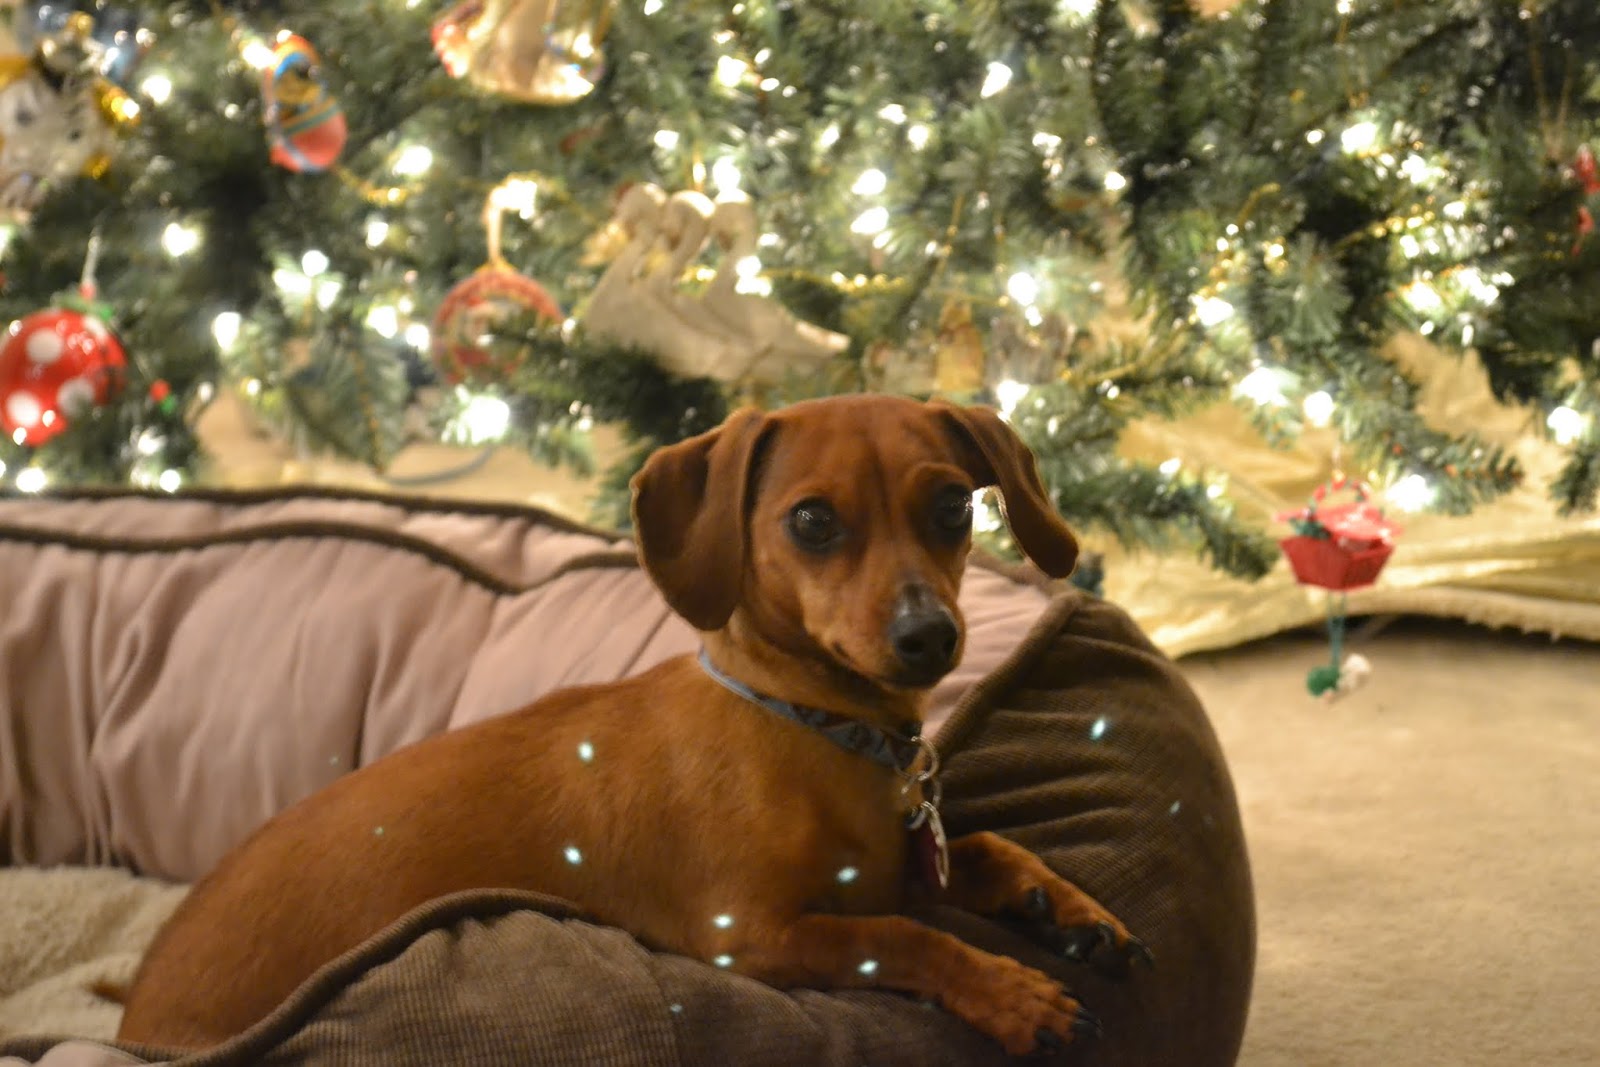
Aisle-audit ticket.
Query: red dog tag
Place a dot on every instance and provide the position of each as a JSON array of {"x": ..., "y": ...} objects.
[{"x": 931, "y": 852}]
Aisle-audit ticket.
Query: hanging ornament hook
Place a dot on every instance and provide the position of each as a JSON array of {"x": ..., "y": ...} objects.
[
  {"x": 87, "y": 286},
  {"x": 518, "y": 193}
]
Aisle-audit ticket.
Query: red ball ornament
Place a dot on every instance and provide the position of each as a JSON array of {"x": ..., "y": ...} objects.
[
  {"x": 471, "y": 311},
  {"x": 54, "y": 365}
]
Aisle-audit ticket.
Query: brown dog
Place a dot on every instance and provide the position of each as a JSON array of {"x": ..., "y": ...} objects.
[{"x": 819, "y": 550}]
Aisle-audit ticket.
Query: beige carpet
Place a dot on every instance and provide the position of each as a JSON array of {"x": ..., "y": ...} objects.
[{"x": 1426, "y": 851}]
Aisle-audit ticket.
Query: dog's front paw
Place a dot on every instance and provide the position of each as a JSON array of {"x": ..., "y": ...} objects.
[
  {"x": 1026, "y": 1011},
  {"x": 1073, "y": 924}
]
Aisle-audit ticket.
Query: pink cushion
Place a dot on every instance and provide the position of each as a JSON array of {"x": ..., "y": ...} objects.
[{"x": 176, "y": 670}]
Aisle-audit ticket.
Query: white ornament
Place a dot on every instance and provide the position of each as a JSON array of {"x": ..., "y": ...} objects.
[
  {"x": 723, "y": 333},
  {"x": 46, "y": 135},
  {"x": 779, "y": 342}
]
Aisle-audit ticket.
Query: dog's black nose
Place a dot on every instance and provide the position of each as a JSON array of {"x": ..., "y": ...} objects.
[{"x": 924, "y": 639}]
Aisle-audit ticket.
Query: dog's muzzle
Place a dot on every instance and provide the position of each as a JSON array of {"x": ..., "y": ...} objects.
[{"x": 924, "y": 636}]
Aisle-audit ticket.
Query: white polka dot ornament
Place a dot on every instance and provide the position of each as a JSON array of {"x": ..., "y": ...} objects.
[{"x": 54, "y": 365}]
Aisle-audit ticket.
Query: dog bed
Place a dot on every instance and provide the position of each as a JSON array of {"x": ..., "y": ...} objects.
[{"x": 176, "y": 670}]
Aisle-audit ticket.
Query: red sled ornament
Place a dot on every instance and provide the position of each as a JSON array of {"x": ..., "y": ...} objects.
[{"x": 1340, "y": 546}]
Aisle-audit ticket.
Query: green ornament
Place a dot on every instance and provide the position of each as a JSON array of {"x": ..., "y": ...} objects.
[{"x": 1323, "y": 679}]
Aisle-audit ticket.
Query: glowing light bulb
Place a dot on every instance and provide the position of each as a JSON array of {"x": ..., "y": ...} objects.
[
  {"x": 259, "y": 54},
  {"x": 1115, "y": 182},
  {"x": 892, "y": 113},
  {"x": 1212, "y": 310},
  {"x": 384, "y": 320},
  {"x": 1010, "y": 393},
  {"x": 1423, "y": 297},
  {"x": 748, "y": 270},
  {"x": 292, "y": 282},
  {"x": 1411, "y": 493},
  {"x": 158, "y": 87},
  {"x": 1567, "y": 424},
  {"x": 31, "y": 479},
  {"x": 377, "y": 232},
  {"x": 726, "y": 175},
  {"x": 170, "y": 481},
  {"x": 874, "y": 220},
  {"x": 1318, "y": 407},
  {"x": 225, "y": 328},
  {"x": 871, "y": 183},
  {"x": 731, "y": 71},
  {"x": 179, "y": 240},
  {"x": 1171, "y": 466},
  {"x": 414, "y": 161},
  {"x": 829, "y": 136},
  {"x": 485, "y": 418},
  {"x": 666, "y": 140},
  {"x": 1023, "y": 288},
  {"x": 1359, "y": 137},
  {"x": 1262, "y": 385},
  {"x": 418, "y": 335},
  {"x": 652, "y": 6},
  {"x": 1315, "y": 136},
  {"x": 995, "y": 79},
  {"x": 328, "y": 290},
  {"x": 1416, "y": 168},
  {"x": 917, "y": 135},
  {"x": 314, "y": 262}
]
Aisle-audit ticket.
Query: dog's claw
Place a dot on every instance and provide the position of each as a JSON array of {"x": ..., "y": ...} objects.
[
  {"x": 1081, "y": 944},
  {"x": 1048, "y": 1042},
  {"x": 1087, "y": 1025},
  {"x": 1097, "y": 947},
  {"x": 1037, "y": 904}
]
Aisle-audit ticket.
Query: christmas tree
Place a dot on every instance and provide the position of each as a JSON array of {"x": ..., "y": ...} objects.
[{"x": 511, "y": 219}]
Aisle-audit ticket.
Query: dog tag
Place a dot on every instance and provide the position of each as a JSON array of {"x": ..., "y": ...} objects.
[{"x": 931, "y": 852}]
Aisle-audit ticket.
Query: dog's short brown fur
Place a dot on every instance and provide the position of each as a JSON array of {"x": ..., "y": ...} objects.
[{"x": 667, "y": 805}]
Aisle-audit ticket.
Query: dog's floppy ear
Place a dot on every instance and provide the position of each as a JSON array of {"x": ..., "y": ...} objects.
[
  {"x": 1001, "y": 459},
  {"x": 689, "y": 505}
]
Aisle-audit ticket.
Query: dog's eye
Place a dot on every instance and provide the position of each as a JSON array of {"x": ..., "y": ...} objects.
[
  {"x": 813, "y": 524},
  {"x": 953, "y": 511}
]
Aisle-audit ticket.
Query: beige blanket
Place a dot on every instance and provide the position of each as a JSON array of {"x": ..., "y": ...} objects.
[{"x": 64, "y": 930}]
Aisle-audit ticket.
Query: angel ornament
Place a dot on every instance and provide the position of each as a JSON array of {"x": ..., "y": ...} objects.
[
  {"x": 534, "y": 51},
  {"x": 731, "y": 330}
]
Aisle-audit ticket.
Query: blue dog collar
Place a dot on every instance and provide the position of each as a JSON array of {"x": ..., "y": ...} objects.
[{"x": 897, "y": 752}]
